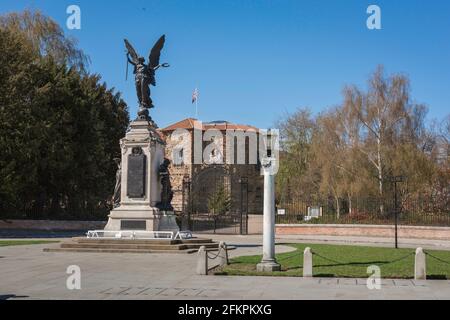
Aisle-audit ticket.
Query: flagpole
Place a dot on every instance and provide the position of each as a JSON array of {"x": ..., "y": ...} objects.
[
  {"x": 196, "y": 107},
  {"x": 196, "y": 102}
]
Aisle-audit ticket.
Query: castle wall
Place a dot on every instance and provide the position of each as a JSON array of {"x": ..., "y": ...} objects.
[{"x": 183, "y": 139}]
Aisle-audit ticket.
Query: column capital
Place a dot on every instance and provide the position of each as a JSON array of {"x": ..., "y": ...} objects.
[{"x": 268, "y": 165}]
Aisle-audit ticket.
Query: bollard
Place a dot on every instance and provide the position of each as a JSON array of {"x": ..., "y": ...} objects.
[
  {"x": 202, "y": 261},
  {"x": 307, "y": 263},
  {"x": 223, "y": 254},
  {"x": 420, "y": 266}
]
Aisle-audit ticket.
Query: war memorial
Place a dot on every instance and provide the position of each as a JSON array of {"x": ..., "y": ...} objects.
[{"x": 349, "y": 202}]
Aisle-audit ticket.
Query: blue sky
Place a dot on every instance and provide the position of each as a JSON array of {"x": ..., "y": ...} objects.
[{"x": 253, "y": 61}]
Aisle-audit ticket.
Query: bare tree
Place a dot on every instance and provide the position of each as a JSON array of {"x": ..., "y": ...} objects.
[
  {"x": 383, "y": 111},
  {"x": 295, "y": 177},
  {"x": 351, "y": 150}
]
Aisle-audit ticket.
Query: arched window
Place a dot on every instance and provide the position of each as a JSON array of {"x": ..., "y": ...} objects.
[{"x": 178, "y": 157}]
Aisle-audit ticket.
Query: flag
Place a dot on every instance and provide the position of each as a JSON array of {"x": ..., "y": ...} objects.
[{"x": 195, "y": 95}]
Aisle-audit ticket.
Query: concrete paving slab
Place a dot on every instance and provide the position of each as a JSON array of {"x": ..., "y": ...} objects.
[{"x": 28, "y": 273}]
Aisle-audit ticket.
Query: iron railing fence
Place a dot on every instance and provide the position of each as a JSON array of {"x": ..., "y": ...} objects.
[
  {"x": 229, "y": 215},
  {"x": 419, "y": 212},
  {"x": 229, "y": 223}
]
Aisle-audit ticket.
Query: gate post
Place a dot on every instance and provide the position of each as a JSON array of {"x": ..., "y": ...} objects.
[
  {"x": 187, "y": 203},
  {"x": 243, "y": 221}
]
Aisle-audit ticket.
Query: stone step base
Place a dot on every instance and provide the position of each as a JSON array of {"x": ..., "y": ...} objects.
[
  {"x": 138, "y": 246},
  {"x": 143, "y": 241},
  {"x": 135, "y": 246},
  {"x": 96, "y": 250}
]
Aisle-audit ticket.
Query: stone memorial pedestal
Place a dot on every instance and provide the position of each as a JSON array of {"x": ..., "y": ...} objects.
[
  {"x": 142, "y": 154},
  {"x": 167, "y": 221}
]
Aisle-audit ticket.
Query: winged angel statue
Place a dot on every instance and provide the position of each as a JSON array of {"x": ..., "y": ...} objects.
[{"x": 145, "y": 74}]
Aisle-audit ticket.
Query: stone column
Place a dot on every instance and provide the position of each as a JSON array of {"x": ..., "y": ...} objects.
[{"x": 268, "y": 262}]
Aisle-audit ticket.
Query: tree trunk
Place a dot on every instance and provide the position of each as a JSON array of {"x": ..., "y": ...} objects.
[
  {"x": 350, "y": 204},
  {"x": 380, "y": 175},
  {"x": 338, "y": 208}
]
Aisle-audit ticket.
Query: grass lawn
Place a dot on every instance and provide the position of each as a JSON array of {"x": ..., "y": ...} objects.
[
  {"x": 345, "y": 261},
  {"x": 4, "y": 243}
]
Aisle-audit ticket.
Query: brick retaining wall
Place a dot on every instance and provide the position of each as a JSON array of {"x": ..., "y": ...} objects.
[
  {"x": 413, "y": 232},
  {"x": 255, "y": 224}
]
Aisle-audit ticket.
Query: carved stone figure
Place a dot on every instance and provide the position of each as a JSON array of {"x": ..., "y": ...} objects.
[
  {"x": 145, "y": 74},
  {"x": 117, "y": 187},
  {"x": 166, "y": 190}
]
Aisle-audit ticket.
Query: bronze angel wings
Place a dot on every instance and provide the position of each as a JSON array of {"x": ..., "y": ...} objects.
[{"x": 155, "y": 53}]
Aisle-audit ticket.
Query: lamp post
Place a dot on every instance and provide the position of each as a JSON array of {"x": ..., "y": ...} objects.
[{"x": 395, "y": 180}]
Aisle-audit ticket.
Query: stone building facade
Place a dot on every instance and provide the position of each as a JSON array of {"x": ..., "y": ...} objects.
[{"x": 202, "y": 157}]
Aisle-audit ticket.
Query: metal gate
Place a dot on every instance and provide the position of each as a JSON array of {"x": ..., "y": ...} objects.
[{"x": 215, "y": 201}]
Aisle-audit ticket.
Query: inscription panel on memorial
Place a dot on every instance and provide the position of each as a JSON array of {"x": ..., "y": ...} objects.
[
  {"x": 136, "y": 174},
  {"x": 133, "y": 225}
]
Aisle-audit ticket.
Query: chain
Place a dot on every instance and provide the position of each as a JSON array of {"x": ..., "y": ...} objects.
[
  {"x": 295, "y": 254},
  {"x": 399, "y": 259},
  {"x": 383, "y": 263},
  {"x": 436, "y": 258},
  {"x": 325, "y": 258},
  {"x": 218, "y": 253}
]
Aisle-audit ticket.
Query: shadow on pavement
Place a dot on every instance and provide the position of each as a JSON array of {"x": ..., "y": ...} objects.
[
  {"x": 11, "y": 296},
  {"x": 246, "y": 245}
]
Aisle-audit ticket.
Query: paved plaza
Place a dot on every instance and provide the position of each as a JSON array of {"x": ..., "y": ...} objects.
[{"x": 26, "y": 272}]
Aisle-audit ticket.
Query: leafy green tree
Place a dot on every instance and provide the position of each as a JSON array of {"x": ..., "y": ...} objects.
[
  {"x": 219, "y": 202},
  {"x": 59, "y": 133},
  {"x": 44, "y": 37}
]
